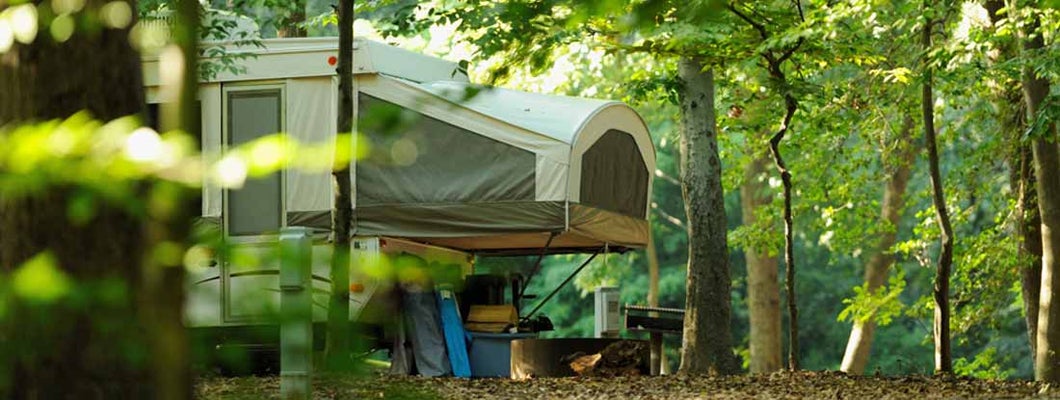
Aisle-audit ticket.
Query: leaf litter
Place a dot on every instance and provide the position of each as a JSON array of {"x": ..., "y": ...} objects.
[{"x": 780, "y": 385}]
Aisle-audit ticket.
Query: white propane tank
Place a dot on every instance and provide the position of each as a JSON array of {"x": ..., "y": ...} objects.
[{"x": 608, "y": 319}]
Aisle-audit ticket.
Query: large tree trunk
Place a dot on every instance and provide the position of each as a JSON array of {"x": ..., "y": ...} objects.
[
  {"x": 859, "y": 345},
  {"x": 1046, "y": 165},
  {"x": 1029, "y": 228},
  {"x": 763, "y": 288},
  {"x": 943, "y": 356},
  {"x": 707, "y": 336},
  {"x": 91, "y": 347},
  {"x": 337, "y": 346},
  {"x": 1021, "y": 176}
]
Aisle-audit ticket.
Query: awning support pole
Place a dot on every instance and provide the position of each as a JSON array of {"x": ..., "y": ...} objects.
[
  {"x": 561, "y": 285},
  {"x": 537, "y": 265}
]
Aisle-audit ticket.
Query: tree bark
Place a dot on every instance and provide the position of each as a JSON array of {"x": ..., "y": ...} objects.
[
  {"x": 707, "y": 336},
  {"x": 86, "y": 348},
  {"x": 763, "y": 287},
  {"x": 943, "y": 356},
  {"x": 859, "y": 345},
  {"x": 337, "y": 346},
  {"x": 774, "y": 65},
  {"x": 653, "y": 293},
  {"x": 1021, "y": 176},
  {"x": 1046, "y": 163},
  {"x": 162, "y": 296}
]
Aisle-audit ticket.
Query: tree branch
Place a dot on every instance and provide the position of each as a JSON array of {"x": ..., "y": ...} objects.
[
  {"x": 790, "y": 51},
  {"x": 677, "y": 222},
  {"x": 758, "y": 27}
]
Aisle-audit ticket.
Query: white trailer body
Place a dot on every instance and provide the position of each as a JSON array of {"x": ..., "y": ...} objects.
[{"x": 289, "y": 85}]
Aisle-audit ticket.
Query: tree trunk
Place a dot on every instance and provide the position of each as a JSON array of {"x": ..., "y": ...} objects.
[
  {"x": 943, "y": 356},
  {"x": 707, "y": 336},
  {"x": 162, "y": 296},
  {"x": 790, "y": 106},
  {"x": 1029, "y": 228},
  {"x": 92, "y": 346},
  {"x": 653, "y": 272},
  {"x": 1046, "y": 163},
  {"x": 1021, "y": 176},
  {"x": 774, "y": 65},
  {"x": 859, "y": 345},
  {"x": 337, "y": 345},
  {"x": 653, "y": 293},
  {"x": 763, "y": 288}
]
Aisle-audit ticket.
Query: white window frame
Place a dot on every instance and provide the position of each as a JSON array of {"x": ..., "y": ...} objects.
[{"x": 227, "y": 89}]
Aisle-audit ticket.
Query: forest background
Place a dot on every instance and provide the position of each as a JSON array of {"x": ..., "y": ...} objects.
[{"x": 858, "y": 84}]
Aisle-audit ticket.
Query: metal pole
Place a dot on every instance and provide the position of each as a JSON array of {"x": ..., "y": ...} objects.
[
  {"x": 296, "y": 313},
  {"x": 561, "y": 285},
  {"x": 537, "y": 264}
]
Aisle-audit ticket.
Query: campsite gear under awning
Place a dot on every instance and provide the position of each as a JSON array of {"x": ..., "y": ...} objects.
[{"x": 493, "y": 170}]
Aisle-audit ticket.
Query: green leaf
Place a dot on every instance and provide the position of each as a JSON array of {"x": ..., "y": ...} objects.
[{"x": 40, "y": 280}]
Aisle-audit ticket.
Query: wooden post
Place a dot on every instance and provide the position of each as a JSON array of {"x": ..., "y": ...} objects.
[{"x": 655, "y": 342}]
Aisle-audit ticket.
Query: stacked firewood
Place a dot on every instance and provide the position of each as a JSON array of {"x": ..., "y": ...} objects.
[{"x": 621, "y": 358}]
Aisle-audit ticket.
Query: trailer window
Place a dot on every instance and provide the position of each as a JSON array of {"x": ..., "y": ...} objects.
[{"x": 257, "y": 207}]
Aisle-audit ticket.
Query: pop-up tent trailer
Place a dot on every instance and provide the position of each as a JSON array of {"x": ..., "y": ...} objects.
[
  {"x": 446, "y": 175},
  {"x": 499, "y": 171}
]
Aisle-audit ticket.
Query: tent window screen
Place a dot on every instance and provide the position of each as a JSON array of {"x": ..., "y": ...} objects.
[
  {"x": 257, "y": 207},
  {"x": 614, "y": 176},
  {"x": 415, "y": 159}
]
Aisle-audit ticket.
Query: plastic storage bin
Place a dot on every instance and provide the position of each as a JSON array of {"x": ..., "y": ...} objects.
[{"x": 491, "y": 353}]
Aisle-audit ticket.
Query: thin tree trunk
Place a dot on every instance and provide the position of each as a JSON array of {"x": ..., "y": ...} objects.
[
  {"x": 73, "y": 348},
  {"x": 653, "y": 292},
  {"x": 337, "y": 344},
  {"x": 1021, "y": 176},
  {"x": 653, "y": 272},
  {"x": 943, "y": 356},
  {"x": 789, "y": 241},
  {"x": 774, "y": 65},
  {"x": 763, "y": 288},
  {"x": 859, "y": 345},
  {"x": 1046, "y": 163},
  {"x": 163, "y": 279},
  {"x": 707, "y": 336}
]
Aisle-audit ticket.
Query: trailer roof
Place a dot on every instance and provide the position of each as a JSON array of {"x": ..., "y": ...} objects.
[
  {"x": 313, "y": 57},
  {"x": 558, "y": 117}
]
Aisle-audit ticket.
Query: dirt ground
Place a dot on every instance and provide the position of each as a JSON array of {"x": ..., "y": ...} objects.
[{"x": 802, "y": 385}]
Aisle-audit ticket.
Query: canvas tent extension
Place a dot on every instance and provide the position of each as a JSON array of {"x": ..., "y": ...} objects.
[{"x": 502, "y": 171}]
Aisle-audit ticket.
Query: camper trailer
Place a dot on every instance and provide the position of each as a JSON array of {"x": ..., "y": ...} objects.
[{"x": 471, "y": 170}]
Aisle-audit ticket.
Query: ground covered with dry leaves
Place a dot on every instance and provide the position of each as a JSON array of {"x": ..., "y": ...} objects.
[{"x": 802, "y": 385}]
